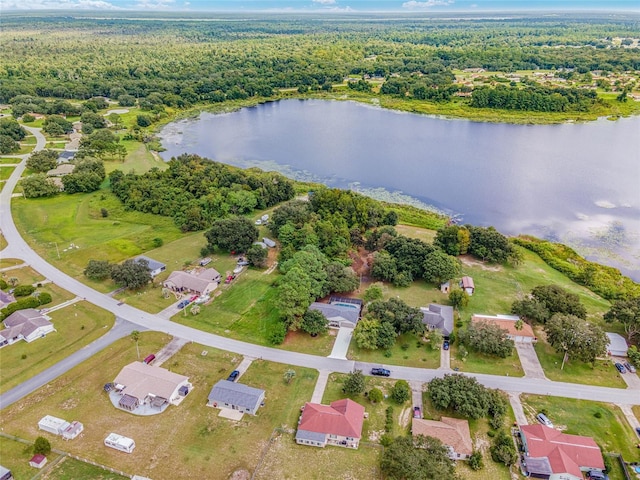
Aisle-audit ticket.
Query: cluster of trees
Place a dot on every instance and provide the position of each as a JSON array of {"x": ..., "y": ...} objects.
[
  {"x": 547, "y": 300},
  {"x": 384, "y": 321},
  {"x": 419, "y": 458},
  {"x": 309, "y": 275},
  {"x": 42, "y": 161},
  {"x": 196, "y": 191},
  {"x": 534, "y": 98},
  {"x": 10, "y": 134},
  {"x": 485, "y": 243},
  {"x": 467, "y": 397},
  {"x": 87, "y": 176},
  {"x": 56, "y": 125},
  {"x": 487, "y": 338},
  {"x": 101, "y": 143},
  {"x": 34, "y": 299},
  {"x": 128, "y": 274},
  {"x": 627, "y": 312}
]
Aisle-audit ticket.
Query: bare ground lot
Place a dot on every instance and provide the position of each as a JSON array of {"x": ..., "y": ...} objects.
[{"x": 189, "y": 441}]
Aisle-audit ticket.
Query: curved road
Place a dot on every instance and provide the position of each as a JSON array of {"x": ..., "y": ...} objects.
[{"x": 18, "y": 248}]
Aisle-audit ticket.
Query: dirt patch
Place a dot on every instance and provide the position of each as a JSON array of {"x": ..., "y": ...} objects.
[
  {"x": 405, "y": 417},
  {"x": 69, "y": 404},
  {"x": 361, "y": 262},
  {"x": 375, "y": 435},
  {"x": 240, "y": 475},
  {"x": 473, "y": 262}
]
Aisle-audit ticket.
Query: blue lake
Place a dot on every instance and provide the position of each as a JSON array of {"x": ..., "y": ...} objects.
[{"x": 574, "y": 183}]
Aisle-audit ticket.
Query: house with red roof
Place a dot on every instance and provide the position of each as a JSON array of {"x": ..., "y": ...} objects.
[
  {"x": 518, "y": 332},
  {"x": 339, "y": 423},
  {"x": 554, "y": 455}
]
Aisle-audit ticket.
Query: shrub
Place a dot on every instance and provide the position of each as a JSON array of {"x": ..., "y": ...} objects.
[
  {"x": 388, "y": 422},
  {"x": 3, "y": 284},
  {"x": 475, "y": 461},
  {"x": 28, "y": 118},
  {"x": 157, "y": 242},
  {"x": 42, "y": 446},
  {"x": 278, "y": 334},
  {"x": 598, "y": 414},
  {"x": 104, "y": 212},
  {"x": 44, "y": 298},
  {"x": 23, "y": 290}
]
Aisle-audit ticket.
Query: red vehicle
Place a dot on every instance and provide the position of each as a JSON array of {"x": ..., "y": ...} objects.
[
  {"x": 149, "y": 359},
  {"x": 230, "y": 279},
  {"x": 194, "y": 298}
]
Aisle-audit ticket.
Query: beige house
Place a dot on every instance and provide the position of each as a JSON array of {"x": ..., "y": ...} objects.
[
  {"x": 61, "y": 170},
  {"x": 201, "y": 283},
  {"x": 452, "y": 432}
]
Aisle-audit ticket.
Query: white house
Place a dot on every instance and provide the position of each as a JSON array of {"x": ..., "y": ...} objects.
[
  {"x": 28, "y": 325},
  {"x": 617, "y": 345},
  {"x": 53, "y": 425},
  {"x": 119, "y": 442},
  {"x": 155, "y": 267}
]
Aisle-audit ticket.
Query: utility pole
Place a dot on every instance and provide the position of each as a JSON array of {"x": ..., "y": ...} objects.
[{"x": 58, "y": 251}]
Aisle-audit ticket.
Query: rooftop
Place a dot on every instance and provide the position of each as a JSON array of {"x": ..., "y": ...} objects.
[
  {"x": 508, "y": 323},
  {"x": 453, "y": 432},
  {"x": 140, "y": 380},
  {"x": 342, "y": 417},
  {"x": 236, "y": 394}
]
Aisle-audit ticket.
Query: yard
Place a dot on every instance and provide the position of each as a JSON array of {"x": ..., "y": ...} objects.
[
  {"x": 6, "y": 171},
  {"x": 25, "y": 275},
  {"x": 602, "y": 421},
  {"x": 603, "y": 373},
  {"x": 408, "y": 351},
  {"x": 183, "y": 442},
  {"x": 477, "y": 362},
  {"x": 76, "y": 326}
]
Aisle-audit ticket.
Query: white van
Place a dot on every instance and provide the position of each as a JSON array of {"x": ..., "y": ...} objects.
[{"x": 542, "y": 418}]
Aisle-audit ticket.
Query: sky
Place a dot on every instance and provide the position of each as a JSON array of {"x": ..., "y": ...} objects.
[{"x": 324, "y": 5}]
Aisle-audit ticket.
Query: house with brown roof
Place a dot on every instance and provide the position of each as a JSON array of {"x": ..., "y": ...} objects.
[
  {"x": 28, "y": 325},
  {"x": 139, "y": 384},
  {"x": 509, "y": 323},
  {"x": 452, "y": 432},
  {"x": 466, "y": 283},
  {"x": 339, "y": 423},
  {"x": 549, "y": 453},
  {"x": 38, "y": 461},
  {"x": 201, "y": 282}
]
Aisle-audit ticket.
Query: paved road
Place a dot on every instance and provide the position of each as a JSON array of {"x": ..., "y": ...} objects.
[
  {"x": 120, "y": 329},
  {"x": 20, "y": 249}
]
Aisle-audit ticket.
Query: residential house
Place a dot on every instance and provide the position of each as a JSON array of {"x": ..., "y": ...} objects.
[
  {"x": 508, "y": 323},
  {"x": 438, "y": 317},
  {"x": 142, "y": 384},
  {"x": 74, "y": 429},
  {"x": 61, "y": 170},
  {"x": 5, "y": 473},
  {"x": 38, "y": 461},
  {"x": 6, "y": 299},
  {"x": 339, "y": 423},
  {"x": 200, "y": 283},
  {"x": 236, "y": 396},
  {"x": 551, "y": 454},
  {"x": 155, "y": 267},
  {"x": 466, "y": 283},
  {"x": 338, "y": 314},
  {"x": 452, "y": 432},
  {"x": 66, "y": 156},
  {"x": 617, "y": 346},
  {"x": 28, "y": 325}
]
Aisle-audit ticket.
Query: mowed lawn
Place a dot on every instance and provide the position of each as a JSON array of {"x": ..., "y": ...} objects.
[
  {"x": 409, "y": 351},
  {"x": 189, "y": 441},
  {"x": 76, "y": 326},
  {"x": 25, "y": 275},
  {"x": 580, "y": 417}
]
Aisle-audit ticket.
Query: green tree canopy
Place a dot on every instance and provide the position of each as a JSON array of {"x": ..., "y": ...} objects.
[
  {"x": 131, "y": 274},
  {"x": 235, "y": 234},
  {"x": 355, "y": 383},
  {"x": 487, "y": 338},
  {"x": 627, "y": 312},
  {"x": 424, "y": 458},
  {"x": 42, "y": 161},
  {"x": 576, "y": 338}
]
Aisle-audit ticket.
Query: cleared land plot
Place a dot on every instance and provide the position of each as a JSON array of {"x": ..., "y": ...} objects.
[
  {"x": 76, "y": 326},
  {"x": 580, "y": 417},
  {"x": 408, "y": 351},
  {"x": 5, "y": 172},
  {"x": 189, "y": 441},
  {"x": 603, "y": 373},
  {"x": 25, "y": 275},
  {"x": 9, "y": 262},
  {"x": 480, "y": 363}
]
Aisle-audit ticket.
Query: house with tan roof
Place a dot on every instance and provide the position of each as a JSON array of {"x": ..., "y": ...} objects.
[
  {"x": 28, "y": 325},
  {"x": 201, "y": 282},
  {"x": 339, "y": 423},
  {"x": 549, "y": 453},
  {"x": 140, "y": 384},
  {"x": 61, "y": 170},
  {"x": 452, "y": 432},
  {"x": 509, "y": 323}
]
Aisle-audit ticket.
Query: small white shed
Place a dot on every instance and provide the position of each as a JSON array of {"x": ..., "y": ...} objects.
[{"x": 617, "y": 345}]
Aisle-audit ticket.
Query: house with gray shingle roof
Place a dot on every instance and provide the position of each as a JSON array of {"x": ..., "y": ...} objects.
[
  {"x": 337, "y": 315},
  {"x": 28, "y": 325},
  {"x": 438, "y": 316},
  {"x": 235, "y": 396},
  {"x": 155, "y": 267}
]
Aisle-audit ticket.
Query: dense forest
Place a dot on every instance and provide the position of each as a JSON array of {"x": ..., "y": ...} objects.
[{"x": 185, "y": 62}]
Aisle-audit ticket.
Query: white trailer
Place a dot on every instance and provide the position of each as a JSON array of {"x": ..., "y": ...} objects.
[
  {"x": 53, "y": 425},
  {"x": 120, "y": 442}
]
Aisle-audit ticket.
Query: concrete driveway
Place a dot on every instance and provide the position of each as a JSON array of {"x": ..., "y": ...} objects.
[
  {"x": 631, "y": 379},
  {"x": 445, "y": 359},
  {"x": 529, "y": 360},
  {"x": 341, "y": 345}
]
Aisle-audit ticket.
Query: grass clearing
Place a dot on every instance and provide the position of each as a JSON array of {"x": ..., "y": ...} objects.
[
  {"x": 71, "y": 469},
  {"x": 16, "y": 456},
  {"x": 9, "y": 262},
  {"x": 5, "y": 172},
  {"x": 416, "y": 232},
  {"x": 8, "y": 160},
  {"x": 195, "y": 449},
  {"x": 603, "y": 374},
  {"x": 25, "y": 275},
  {"x": 480, "y": 363},
  {"x": 29, "y": 140},
  {"x": 578, "y": 417},
  {"x": 408, "y": 351},
  {"x": 76, "y": 326},
  {"x": 3, "y": 242}
]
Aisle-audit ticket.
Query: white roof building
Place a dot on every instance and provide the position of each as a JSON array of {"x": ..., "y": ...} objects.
[
  {"x": 617, "y": 345},
  {"x": 53, "y": 425}
]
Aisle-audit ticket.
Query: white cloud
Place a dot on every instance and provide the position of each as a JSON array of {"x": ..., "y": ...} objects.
[
  {"x": 57, "y": 5},
  {"x": 325, "y": 2},
  {"x": 153, "y": 4},
  {"x": 417, "y": 5}
]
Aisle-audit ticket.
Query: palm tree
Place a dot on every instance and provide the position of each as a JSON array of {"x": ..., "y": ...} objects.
[
  {"x": 13, "y": 281},
  {"x": 288, "y": 375},
  {"x": 135, "y": 336}
]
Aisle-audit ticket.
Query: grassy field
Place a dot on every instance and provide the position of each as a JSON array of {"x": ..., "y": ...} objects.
[
  {"x": 604, "y": 373},
  {"x": 76, "y": 326},
  {"x": 138, "y": 159},
  {"x": 25, "y": 275},
  {"x": 70, "y": 469},
  {"x": 3, "y": 242},
  {"x": 5, "y": 172},
  {"x": 480, "y": 363},
  {"x": 9, "y": 262},
  {"x": 408, "y": 351},
  {"x": 189, "y": 441},
  {"x": 6, "y": 160},
  {"x": 611, "y": 431}
]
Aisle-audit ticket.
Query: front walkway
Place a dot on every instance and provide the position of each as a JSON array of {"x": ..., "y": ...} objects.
[
  {"x": 529, "y": 361},
  {"x": 341, "y": 345},
  {"x": 445, "y": 359},
  {"x": 169, "y": 350},
  {"x": 516, "y": 406},
  {"x": 321, "y": 384}
]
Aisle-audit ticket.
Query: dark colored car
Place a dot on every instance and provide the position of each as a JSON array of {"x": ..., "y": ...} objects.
[
  {"x": 445, "y": 345},
  {"x": 417, "y": 413},
  {"x": 620, "y": 367},
  {"x": 630, "y": 367},
  {"x": 638, "y": 431},
  {"x": 183, "y": 304},
  {"x": 596, "y": 475},
  {"x": 381, "y": 372},
  {"x": 233, "y": 376}
]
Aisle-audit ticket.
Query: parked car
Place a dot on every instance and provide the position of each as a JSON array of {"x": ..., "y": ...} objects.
[
  {"x": 149, "y": 358},
  {"x": 233, "y": 376},
  {"x": 620, "y": 367},
  {"x": 542, "y": 418},
  {"x": 417, "y": 413},
  {"x": 638, "y": 431},
  {"x": 229, "y": 279},
  {"x": 183, "y": 304},
  {"x": 193, "y": 299},
  {"x": 597, "y": 475},
  {"x": 445, "y": 345},
  {"x": 258, "y": 222},
  {"x": 630, "y": 367},
  {"x": 381, "y": 372}
]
